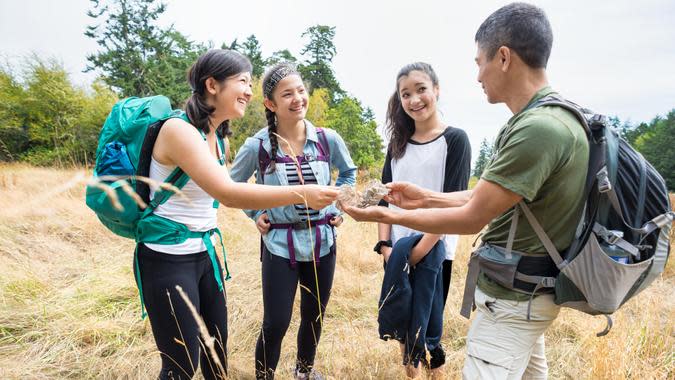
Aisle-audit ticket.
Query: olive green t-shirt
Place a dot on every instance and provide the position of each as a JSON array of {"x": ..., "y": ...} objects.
[{"x": 541, "y": 154}]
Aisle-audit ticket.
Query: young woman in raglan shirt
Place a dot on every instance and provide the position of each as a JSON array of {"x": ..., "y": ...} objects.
[{"x": 424, "y": 151}]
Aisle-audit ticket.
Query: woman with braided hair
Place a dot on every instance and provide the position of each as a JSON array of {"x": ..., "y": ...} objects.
[{"x": 298, "y": 242}]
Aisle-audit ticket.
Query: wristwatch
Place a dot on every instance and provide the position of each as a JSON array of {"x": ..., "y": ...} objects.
[{"x": 378, "y": 246}]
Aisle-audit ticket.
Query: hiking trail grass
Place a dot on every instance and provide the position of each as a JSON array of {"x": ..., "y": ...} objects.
[{"x": 69, "y": 306}]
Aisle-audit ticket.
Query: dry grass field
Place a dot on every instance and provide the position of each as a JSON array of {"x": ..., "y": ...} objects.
[{"x": 69, "y": 305}]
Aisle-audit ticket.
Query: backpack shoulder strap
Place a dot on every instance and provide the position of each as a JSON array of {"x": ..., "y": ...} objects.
[
  {"x": 324, "y": 147},
  {"x": 579, "y": 112},
  {"x": 177, "y": 178},
  {"x": 264, "y": 159},
  {"x": 175, "y": 181}
]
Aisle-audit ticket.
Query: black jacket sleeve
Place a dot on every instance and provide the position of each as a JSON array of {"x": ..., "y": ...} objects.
[{"x": 458, "y": 160}]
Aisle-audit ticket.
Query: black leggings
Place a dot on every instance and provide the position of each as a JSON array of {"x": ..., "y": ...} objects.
[
  {"x": 171, "y": 320},
  {"x": 279, "y": 283}
]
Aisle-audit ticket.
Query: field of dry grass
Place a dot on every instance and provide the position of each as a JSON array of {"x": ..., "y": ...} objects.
[{"x": 69, "y": 306}]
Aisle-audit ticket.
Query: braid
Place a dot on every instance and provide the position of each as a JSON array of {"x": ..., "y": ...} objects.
[
  {"x": 270, "y": 81},
  {"x": 271, "y": 131}
]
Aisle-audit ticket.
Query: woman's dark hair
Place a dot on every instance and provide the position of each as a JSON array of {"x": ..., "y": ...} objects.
[
  {"x": 269, "y": 83},
  {"x": 399, "y": 125},
  {"x": 218, "y": 64}
]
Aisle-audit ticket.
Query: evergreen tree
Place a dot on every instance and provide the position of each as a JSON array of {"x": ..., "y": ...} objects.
[
  {"x": 656, "y": 145},
  {"x": 349, "y": 119},
  {"x": 280, "y": 56},
  {"x": 137, "y": 57},
  {"x": 234, "y": 45},
  {"x": 316, "y": 70},
  {"x": 484, "y": 155},
  {"x": 251, "y": 49}
]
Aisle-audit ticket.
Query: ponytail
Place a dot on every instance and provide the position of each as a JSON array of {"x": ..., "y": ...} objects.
[{"x": 218, "y": 64}]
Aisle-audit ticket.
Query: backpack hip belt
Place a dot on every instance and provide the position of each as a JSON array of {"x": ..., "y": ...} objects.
[
  {"x": 154, "y": 229},
  {"x": 522, "y": 272},
  {"x": 289, "y": 227}
]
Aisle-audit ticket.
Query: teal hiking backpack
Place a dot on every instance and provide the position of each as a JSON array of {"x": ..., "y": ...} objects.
[
  {"x": 622, "y": 240},
  {"x": 123, "y": 155}
]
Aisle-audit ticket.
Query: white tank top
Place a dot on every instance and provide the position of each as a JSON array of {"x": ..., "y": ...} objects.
[{"x": 198, "y": 214}]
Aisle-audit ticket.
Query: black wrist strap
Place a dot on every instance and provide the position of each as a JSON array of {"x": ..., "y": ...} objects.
[{"x": 378, "y": 246}]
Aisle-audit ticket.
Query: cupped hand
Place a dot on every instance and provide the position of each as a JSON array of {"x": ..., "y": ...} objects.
[{"x": 368, "y": 214}]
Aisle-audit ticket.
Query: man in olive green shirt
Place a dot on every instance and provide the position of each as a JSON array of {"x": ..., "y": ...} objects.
[
  {"x": 541, "y": 158},
  {"x": 541, "y": 154}
]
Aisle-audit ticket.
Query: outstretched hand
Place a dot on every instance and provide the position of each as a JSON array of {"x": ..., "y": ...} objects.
[
  {"x": 406, "y": 195},
  {"x": 318, "y": 197},
  {"x": 369, "y": 214}
]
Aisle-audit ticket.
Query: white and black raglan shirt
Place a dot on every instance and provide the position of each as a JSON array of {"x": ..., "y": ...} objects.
[{"x": 442, "y": 164}]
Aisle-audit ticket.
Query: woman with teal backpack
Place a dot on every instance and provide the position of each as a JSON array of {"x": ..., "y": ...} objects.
[
  {"x": 298, "y": 242},
  {"x": 221, "y": 90}
]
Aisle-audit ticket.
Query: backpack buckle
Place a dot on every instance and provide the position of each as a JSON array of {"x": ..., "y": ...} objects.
[
  {"x": 548, "y": 282},
  {"x": 598, "y": 121},
  {"x": 604, "y": 185},
  {"x": 308, "y": 157},
  {"x": 612, "y": 238}
]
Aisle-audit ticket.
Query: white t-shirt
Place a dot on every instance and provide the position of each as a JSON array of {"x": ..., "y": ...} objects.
[{"x": 432, "y": 165}]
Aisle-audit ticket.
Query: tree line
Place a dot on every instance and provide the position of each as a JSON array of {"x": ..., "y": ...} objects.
[
  {"x": 655, "y": 140},
  {"x": 45, "y": 119}
]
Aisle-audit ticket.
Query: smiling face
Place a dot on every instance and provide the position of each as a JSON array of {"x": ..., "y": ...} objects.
[
  {"x": 289, "y": 99},
  {"x": 490, "y": 74},
  {"x": 230, "y": 96},
  {"x": 418, "y": 95}
]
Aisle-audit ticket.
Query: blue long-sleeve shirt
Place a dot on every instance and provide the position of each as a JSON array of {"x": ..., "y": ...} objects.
[{"x": 246, "y": 163}]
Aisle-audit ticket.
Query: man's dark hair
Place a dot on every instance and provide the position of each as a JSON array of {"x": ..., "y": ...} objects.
[{"x": 521, "y": 27}]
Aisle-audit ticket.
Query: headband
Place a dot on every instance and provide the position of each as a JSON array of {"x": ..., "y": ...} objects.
[{"x": 276, "y": 76}]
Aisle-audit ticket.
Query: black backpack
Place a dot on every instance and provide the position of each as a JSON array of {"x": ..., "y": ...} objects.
[{"x": 622, "y": 241}]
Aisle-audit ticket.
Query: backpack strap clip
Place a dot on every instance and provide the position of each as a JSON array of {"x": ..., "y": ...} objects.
[{"x": 604, "y": 184}]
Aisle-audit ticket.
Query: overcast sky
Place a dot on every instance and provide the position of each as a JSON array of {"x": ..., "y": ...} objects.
[{"x": 616, "y": 57}]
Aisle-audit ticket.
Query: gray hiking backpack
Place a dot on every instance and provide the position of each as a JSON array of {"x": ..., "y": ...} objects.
[{"x": 621, "y": 243}]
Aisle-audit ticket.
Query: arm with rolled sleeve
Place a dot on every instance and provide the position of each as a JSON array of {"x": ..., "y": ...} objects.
[{"x": 245, "y": 164}]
